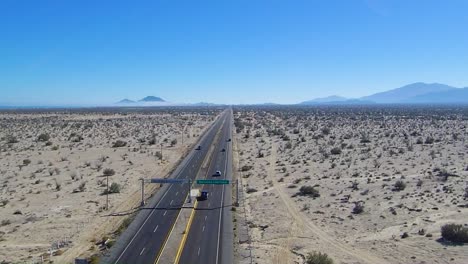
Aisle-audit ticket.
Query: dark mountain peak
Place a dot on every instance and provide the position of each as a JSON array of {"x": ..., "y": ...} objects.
[{"x": 152, "y": 99}]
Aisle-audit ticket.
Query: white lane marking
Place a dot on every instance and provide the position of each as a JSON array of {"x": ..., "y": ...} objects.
[
  {"x": 189, "y": 159},
  {"x": 165, "y": 212},
  {"x": 203, "y": 229},
  {"x": 155, "y": 229},
  {"x": 171, "y": 202},
  {"x": 205, "y": 217},
  {"x": 198, "y": 251},
  {"x": 176, "y": 193},
  {"x": 141, "y": 253},
  {"x": 209, "y": 204},
  {"x": 221, "y": 211}
]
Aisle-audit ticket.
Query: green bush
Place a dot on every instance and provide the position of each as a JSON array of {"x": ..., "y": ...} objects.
[
  {"x": 455, "y": 233},
  {"x": 318, "y": 258},
  {"x": 43, "y": 137},
  {"x": 399, "y": 185},
  {"x": 335, "y": 151},
  {"x": 309, "y": 191},
  {"x": 114, "y": 188},
  {"x": 119, "y": 143}
]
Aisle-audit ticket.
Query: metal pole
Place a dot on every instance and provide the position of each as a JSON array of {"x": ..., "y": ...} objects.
[
  {"x": 161, "y": 152},
  {"x": 189, "y": 188},
  {"x": 107, "y": 194},
  {"x": 237, "y": 192},
  {"x": 142, "y": 192}
]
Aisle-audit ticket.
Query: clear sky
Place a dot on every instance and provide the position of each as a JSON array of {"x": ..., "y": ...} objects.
[{"x": 233, "y": 51}]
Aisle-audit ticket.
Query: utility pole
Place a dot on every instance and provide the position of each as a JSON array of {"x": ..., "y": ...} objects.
[
  {"x": 107, "y": 193},
  {"x": 142, "y": 192},
  {"x": 237, "y": 192},
  {"x": 189, "y": 189},
  {"x": 161, "y": 151}
]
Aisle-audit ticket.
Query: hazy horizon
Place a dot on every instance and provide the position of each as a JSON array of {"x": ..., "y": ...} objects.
[{"x": 87, "y": 53}]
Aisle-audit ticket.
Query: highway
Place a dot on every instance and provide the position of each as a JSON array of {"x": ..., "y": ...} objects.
[
  {"x": 212, "y": 222},
  {"x": 143, "y": 244}
]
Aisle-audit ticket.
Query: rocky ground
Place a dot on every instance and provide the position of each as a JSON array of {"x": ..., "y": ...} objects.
[
  {"x": 52, "y": 165},
  {"x": 361, "y": 184}
]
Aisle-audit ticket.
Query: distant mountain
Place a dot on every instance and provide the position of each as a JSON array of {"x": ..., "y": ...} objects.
[
  {"x": 204, "y": 104},
  {"x": 453, "y": 96},
  {"x": 126, "y": 101},
  {"x": 328, "y": 99},
  {"x": 405, "y": 93},
  {"x": 152, "y": 99}
]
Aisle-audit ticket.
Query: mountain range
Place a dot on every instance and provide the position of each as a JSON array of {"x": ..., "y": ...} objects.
[
  {"x": 147, "y": 99},
  {"x": 416, "y": 93}
]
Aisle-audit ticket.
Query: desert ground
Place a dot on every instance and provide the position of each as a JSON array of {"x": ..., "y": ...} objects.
[
  {"x": 52, "y": 164},
  {"x": 362, "y": 184}
]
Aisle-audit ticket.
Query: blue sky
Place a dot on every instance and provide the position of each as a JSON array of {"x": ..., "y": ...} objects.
[{"x": 236, "y": 51}]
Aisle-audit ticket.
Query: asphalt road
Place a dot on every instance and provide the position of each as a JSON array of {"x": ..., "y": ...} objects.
[
  {"x": 206, "y": 234},
  {"x": 145, "y": 245}
]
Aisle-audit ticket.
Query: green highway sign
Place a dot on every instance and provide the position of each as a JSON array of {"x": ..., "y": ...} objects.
[{"x": 210, "y": 181}]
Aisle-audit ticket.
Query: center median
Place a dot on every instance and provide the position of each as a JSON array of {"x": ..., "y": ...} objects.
[{"x": 175, "y": 242}]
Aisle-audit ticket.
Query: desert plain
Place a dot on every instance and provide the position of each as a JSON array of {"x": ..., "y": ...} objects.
[
  {"x": 362, "y": 184},
  {"x": 54, "y": 166}
]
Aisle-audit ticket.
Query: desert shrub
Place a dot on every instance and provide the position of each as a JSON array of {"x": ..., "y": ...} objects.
[
  {"x": 455, "y": 233},
  {"x": 4, "y": 202},
  {"x": 55, "y": 147},
  {"x": 318, "y": 258},
  {"x": 108, "y": 172},
  {"x": 152, "y": 141},
  {"x": 335, "y": 151},
  {"x": 251, "y": 190},
  {"x": 173, "y": 142},
  {"x": 419, "y": 141},
  {"x": 429, "y": 140},
  {"x": 58, "y": 186},
  {"x": 43, "y": 137},
  {"x": 82, "y": 187},
  {"x": 246, "y": 168},
  {"x": 119, "y": 144},
  {"x": 358, "y": 208},
  {"x": 5, "y": 222},
  {"x": 365, "y": 138},
  {"x": 158, "y": 154},
  {"x": 26, "y": 162},
  {"x": 10, "y": 139},
  {"x": 308, "y": 190},
  {"x": 114, "y": 188},
  {"x": 17, "y": 212},
  {"x": 325, "y": 131},
  {"x": 399, "y": 185}
]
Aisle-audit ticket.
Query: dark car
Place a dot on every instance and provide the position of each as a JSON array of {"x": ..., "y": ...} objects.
[
  {"x": 198, "y": 148},
  {"x": 223, "y": 150}
]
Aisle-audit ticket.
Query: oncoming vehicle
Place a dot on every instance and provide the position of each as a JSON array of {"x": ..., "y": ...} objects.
[{"x": 217, "y": 173}]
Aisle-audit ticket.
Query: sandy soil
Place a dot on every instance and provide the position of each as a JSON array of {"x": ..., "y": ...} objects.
[
  {"x": 353, "y": 156},
  {"x": 52, "y": 185}
]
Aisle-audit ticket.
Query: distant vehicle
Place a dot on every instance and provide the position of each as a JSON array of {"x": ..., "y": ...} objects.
[
  {"x": 198, "y": 148},
  {"x": 202, "y": 195},
  {"x": 223, "y": 150},
  {"x": 229, "y": 140},
  {"x": 217, "y": 173}
]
